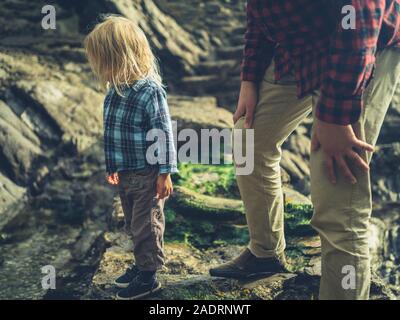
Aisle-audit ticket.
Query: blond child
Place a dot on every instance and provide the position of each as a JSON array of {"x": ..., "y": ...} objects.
[{"x": 121, "y": 58}]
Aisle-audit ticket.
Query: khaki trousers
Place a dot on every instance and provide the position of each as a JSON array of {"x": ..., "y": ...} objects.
[{"x": 341, "y": 211}]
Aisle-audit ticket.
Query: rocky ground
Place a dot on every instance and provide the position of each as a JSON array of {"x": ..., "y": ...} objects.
[
  {"x": 210, "y": 239},
  {"x": 55, "y": 207}
]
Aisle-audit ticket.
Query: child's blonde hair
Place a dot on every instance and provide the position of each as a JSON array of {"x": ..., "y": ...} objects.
[{"x": 119, "y": 53}]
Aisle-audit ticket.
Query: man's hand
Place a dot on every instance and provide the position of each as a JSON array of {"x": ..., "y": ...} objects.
[
  {"x": 247, "y": 103},
  {"x": 113, "y": 179},
  {"x": 164, "y": 186},
  {"x": 338, "y": 143}
]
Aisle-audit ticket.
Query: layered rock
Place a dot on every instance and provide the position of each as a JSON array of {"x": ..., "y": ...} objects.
[
  {"x": 42, "y": 108},
  {"x": 199, "y": 113},
  {"x": 384, "y": 242},
  {"x": 54, "y": 204}
]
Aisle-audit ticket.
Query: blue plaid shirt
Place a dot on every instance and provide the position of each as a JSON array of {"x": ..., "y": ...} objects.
[{"x": 127, "y": 121}]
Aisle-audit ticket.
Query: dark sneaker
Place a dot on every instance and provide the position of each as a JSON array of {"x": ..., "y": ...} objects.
[
  {"x": 247, "y": 265},
  {"x": 138, "y": 288},
  {"x": 124, "y": 280}
]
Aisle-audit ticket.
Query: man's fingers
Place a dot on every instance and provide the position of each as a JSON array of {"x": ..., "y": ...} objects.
[
  {"x": 239, "y": 113},
  {"x": 249, "y": 117},
  {"x": 161, "y": 193},
  {"x": 358, "y": 160},
  {"x": 363, "y": 145},
  {"x": 341, "y": 163},
  {"x": 330, "y": 169},
  {"x": 167, "y": 192},
  {"x": 158, "y": 192}
]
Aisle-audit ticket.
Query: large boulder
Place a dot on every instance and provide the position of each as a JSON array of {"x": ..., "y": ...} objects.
[
  {"x": 199, "y": 113},
  {"x": 385, "y": 173},
  {"x": 178, "y": 49},
  {"x": 11, "y": 202},
  {"x": 193, "y": 204},
  {"x": 384, "y": 242},
  {"x": 73, "y": 110},
  {"x": 19, "y": 145}
]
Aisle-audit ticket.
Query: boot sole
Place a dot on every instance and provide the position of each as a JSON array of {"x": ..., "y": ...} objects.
[
  {"x": 142, "y": 295},
  {"x": 242, "y": 276},
  {"x": 121, "y": 285}
]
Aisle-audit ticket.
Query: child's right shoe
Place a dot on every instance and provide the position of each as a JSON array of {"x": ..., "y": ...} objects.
[
  {"x": 124, "y": 280},
  {"x": 140, "y": 287}
]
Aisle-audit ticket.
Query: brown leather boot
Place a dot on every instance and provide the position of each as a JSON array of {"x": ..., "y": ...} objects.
[{"x": 247, "y": 265}]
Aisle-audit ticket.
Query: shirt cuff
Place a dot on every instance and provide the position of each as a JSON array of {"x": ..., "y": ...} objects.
[
  {"x": 339, "y": 111},
  {"x": 251, "y": 77},
  {"x": 252, "y": 71},
  {"x": 167, "y": 169}
]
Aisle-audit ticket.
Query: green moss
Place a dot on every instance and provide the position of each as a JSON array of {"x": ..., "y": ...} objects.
[
  {"x": 196, "y": 205},
  {"x": 297, "y": 261},
  {"x": 297, "y": 219},
  {"x": 170, "y": 215},
  {"x": 206, "y": 207},
  {"x": 202, "y": 234},
  {"x": 213, "y": 180}
]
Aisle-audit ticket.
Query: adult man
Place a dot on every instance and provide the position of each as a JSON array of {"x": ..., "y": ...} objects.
[{"x": 315, "y": 60}]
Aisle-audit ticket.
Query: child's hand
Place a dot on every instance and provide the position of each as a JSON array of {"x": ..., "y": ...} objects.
[
  {"x": 164, "y": 186},
  {"x": 113, "y": 179}
]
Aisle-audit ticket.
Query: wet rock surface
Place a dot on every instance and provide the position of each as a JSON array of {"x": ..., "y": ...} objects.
[
  {"x": 385, "y": 232},
  {"x": 55, "y": 207},
  {"x": 185, "y": 275}
]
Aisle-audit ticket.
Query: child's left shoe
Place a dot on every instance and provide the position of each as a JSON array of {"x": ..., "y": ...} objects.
[
  {"x": 140, "y": 287},
  {"x": 124, "y": 280}
]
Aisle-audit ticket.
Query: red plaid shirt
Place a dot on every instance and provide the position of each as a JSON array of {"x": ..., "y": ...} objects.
[{"x": 307, "y": 35}]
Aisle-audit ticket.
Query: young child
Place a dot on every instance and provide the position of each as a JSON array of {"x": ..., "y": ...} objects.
[{"x": 120, "y": 56}]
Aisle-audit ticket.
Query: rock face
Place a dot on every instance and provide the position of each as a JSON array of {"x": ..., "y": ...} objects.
[
  {"x": 222, "y": 24},
  {"x": 42, "y": 107},
  {"x": 385, "y": 165},
  {"x": 385, "y": 242},
  {"x": 55, "y": 207},
  {"x": 178, "y": 49},
  {"x": 204, "y": 113},
  {"x": 21, "y": 145},
  {"x": 10, "y": 193}
]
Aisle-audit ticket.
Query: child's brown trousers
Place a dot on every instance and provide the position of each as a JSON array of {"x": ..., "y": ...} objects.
[{"x": 144, "y": 216}]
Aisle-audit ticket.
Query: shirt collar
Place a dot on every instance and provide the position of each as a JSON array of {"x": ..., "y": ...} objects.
[
  {"x": 134, "y": 86},
  {"x": 138, "y": 84}
]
